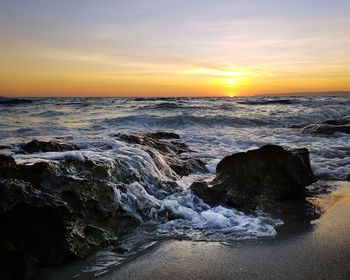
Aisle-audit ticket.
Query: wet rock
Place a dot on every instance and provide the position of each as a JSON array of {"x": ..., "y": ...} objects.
[
  {"x": 163, "y": 135},
  {"x": 258, "y": 178},
  {"x": 48, "y": 216},
  {"x": 36, "y": 146},
  {"x": 7, "y": 163},
  {"x": 171, "y": 151},
  {"x": 327, "y": 127},
  {"x": 156, "y": 142}
]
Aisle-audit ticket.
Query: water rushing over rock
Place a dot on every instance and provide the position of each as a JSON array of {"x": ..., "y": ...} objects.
[{"x": 88, "y": 199}]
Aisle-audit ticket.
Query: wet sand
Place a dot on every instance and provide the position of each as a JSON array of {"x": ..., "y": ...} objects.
[{"x": 320, "y": 250}]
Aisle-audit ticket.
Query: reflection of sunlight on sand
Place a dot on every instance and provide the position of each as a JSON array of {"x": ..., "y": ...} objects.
[
  {"x": 339, "y": 198},
  {"x": 332, "y": 229}
]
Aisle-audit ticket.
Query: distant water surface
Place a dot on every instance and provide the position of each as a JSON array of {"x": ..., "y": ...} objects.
[{"x": 213, "y": 127}]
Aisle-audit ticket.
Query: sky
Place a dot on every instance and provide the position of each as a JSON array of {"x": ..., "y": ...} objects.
[{"x": 173, "y": 48}]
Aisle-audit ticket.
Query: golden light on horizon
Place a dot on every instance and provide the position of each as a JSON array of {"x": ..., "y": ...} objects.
[{"x": 198, "y": 53}]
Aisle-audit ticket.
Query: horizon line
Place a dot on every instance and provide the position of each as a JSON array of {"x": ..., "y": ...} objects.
[{"x": 291, "y": 94}]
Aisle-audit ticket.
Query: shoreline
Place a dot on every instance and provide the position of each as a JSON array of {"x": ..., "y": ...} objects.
[{"x": 319, "y": 249}]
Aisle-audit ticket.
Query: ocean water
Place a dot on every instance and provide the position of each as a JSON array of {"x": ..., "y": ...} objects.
[{"x": 211, "y": 127}]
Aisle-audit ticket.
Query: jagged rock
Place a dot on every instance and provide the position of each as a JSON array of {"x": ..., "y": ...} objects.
[
  {"x": 77, "y": 202},
  {"x": 327, "y": 127},
  {"x": 48, "y": 216},
  {"x": 258, "y": 178},
  {"x": 170, "y": 150},
  {"x": 36, "y": 146}
]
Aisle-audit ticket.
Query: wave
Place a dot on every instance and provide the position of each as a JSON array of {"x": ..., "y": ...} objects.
[
  {"x": 184, "y": 121},
  {"x": 163, "y": 106},
  {"x": 14, "y": 101},
  {"x": 269, "y": 102},
  {"x": 48, "y": 114}
]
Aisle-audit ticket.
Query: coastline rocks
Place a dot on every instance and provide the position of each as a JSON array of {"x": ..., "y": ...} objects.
[
  {"x": 258, "y": 178},
  {"x": 48, "y": 216},
  {"x": 67, "y": 206},
  {"x": 36, "y": 146},
  {"x": 327, "y": 127}
]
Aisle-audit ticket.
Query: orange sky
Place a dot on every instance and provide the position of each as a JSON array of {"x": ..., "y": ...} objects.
[{"x": 182, "y": 48}]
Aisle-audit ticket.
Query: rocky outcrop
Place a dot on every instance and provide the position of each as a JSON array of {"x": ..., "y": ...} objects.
[
  {"x": 258, "y": 178},
  {"x": 48, "y": 216},
  {"x": 56, "y": 210},
  {"x": 36, "y": 146},
  {"x": 171, "y": 151},
  {"x": 327, "y": 127}
]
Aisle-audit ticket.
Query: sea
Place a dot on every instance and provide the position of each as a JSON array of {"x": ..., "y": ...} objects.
[{"x": 212, "y": 127}]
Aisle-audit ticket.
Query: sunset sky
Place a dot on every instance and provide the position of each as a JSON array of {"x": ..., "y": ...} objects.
[{"x": 180, "y": 47}]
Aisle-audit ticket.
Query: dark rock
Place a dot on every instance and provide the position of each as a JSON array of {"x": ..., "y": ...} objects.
[
  {"x": 170, "y": 151},
  {"x": 327, "y": 127},
  {"x": 163, "y": 135},
  {"x": 47, "y": 216},
  {"x": 76, "y": 202},
  {"x": 156, "y": 142},
  {"x": 7, "y": 163},
  {"x": 36, "y": 146},
  {"x": 258, "y": 178}
]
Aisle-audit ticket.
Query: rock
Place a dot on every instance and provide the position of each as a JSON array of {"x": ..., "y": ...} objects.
[
  {"x": 155, "y": 141},
  {"x": 47, "y": 216},
  {"x": 36, "y": 146},
  {"x": 78, "y": 204},
  {"x": 163, "y": 135},
  {"x": 170, "y": 151},
  {"x": 258, "y": 178},
  {"x": 32, "y": 226},
  {"x": 7, "y": 163},
  {"x": 327, "y": 127}
]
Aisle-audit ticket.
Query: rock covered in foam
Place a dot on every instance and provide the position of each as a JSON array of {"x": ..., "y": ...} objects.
[{"x": 258, "y": 178}]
